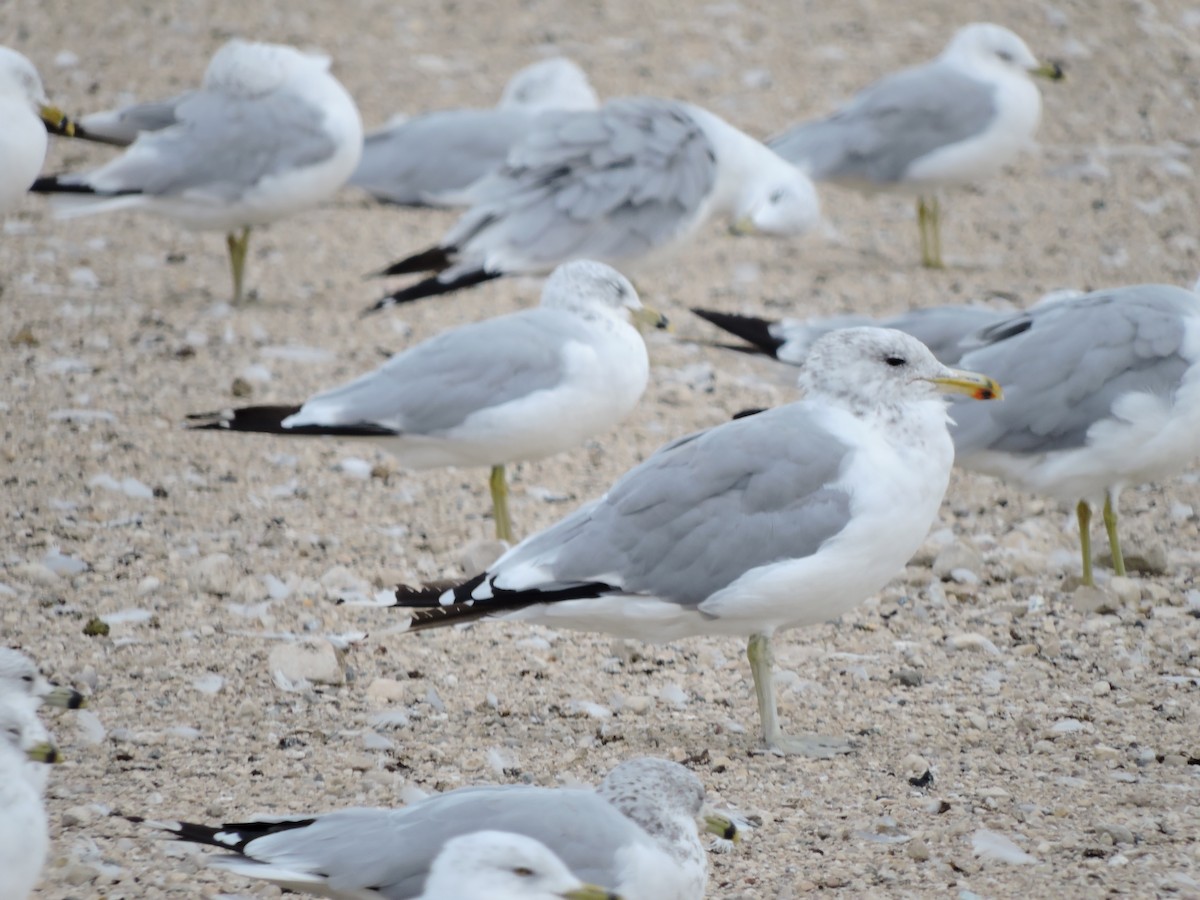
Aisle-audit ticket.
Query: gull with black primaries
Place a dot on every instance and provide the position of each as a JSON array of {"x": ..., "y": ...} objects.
[
  {"x": 956, "y": 120},
  {"x": 26, "y": 114},
  {"x": 622, "y": 184},
  {"x": 635, "y": 834},
  {"x": 778, "y": 520},
  {"x": 516, "y": 387},
  {"x": 269, "y": 134}
]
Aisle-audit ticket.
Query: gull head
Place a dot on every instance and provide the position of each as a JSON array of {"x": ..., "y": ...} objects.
[
  {"x": 881, "y": 367},
  {"x": 252, "y": 68},
  {"x": 20, "y": 677},
  {"x": 19, "y": 80},
  {"x": 782, "y": 203},
  {"x": 23, "y": 735},
  {"x": 589, "y": 288},
  {"x": 989, "y": 46},
  {"x": 505, "y": 866},
  {"x": 555, "y": 83}
]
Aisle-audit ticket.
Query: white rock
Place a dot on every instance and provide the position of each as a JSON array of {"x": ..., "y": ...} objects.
[
  {"x": 971, "y": 642},
  {"x": 209, "y": 684},
  {"x": 312, "y": 659},
  {"x": 355, "y": 467},
  {"x": 993, "y": 845}
]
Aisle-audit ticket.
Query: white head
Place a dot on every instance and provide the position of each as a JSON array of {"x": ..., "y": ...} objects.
[
  {"x": 587, "y": 287},
  {"x": 20, "y": 80},
  {"x": 250, "y": 68},
  {"x": 782, "y": 202},
  {"x": 867, "y": 369},
  {"x": 499, "y": 865},
  {"x": 19, "y": 677},
  {"x": 23, "y": 736},
  {"x": 985, "y": 45},
  {"x": 555, "y": 83}
]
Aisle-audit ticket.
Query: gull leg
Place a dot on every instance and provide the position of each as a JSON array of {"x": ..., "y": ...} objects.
[
  {"x": 237, "y": 244},
  {"x": 935, "y": 231},
  {"x": 929, "y": 221},
  {"x": 814, "y": 746},
  {"x": 1084, "y": 513},
  {"x": 1114, "y": 542},
  {"x": 499, "y": 485}
]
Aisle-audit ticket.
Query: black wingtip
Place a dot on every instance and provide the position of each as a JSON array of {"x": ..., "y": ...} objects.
[
  {"x": 751, "y": 329},
  {"x": 54, "y": 184},
  {"x": 270, "y": 419},
  {"x": 430, "y": 287},
  {"x": 435, "y": 259}
]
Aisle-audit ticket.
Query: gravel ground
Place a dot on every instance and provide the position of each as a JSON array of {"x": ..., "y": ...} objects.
[{"x": 990, "y": 705}]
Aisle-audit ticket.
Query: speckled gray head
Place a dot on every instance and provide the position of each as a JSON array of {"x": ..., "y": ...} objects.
[
  {"x": 19, "y": 78},
  {"x": 20, "y": 677},
  {"x": 556, "y": 83},
  {"x": 584, "y": 286},
  {"x": 869, "y": 368}
]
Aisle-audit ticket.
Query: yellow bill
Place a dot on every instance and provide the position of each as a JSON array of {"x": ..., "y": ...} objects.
[
  {"x": 723, "y": 827},
  {"x": 647, "y": 319},
  {"x": 1051, "y": 71},
  {"x": 43, "y": 752},
  {"x": 590, "y": 892},
  {"x": 56, "y": 121},
  {"x": 974, "y": 385}
]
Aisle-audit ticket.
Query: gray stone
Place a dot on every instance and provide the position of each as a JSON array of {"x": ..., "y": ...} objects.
[{"x": 313, "y": 659}]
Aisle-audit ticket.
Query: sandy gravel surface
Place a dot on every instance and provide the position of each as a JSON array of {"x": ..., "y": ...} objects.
[{"x": 1073, "y": 734}]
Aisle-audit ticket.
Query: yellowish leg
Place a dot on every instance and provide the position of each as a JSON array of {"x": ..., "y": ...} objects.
[
  {"x": 815, "y": 746},
  {"x": 1084, "y": 513},
  {"x": 237, "y": 244},
  {"x": 929, "y": 221},
  {"x": 1114, "y": 542},
  {"x": 499, "y": 484}
]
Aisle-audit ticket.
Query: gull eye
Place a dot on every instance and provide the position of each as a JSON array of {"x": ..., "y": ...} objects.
[
  {"x": 27, "y": 678},
  {"x": 895, "y": 361},
  {"x": 523, "y": 871},
  {"x": 1005, "y": 55},
  {"x": 776, "y": 196}
]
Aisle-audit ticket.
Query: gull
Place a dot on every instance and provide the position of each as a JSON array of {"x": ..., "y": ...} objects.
[
  {"x": 955, "y": 120},
  {"x": 26, "y": 114},
  {"x": 778, "y": 520},
  {"x": 940, "y": 328},
  {"x": 635, "y": 834},
  {"x": 498, "y": 865},
  {"x": 629, "y": 181},
  {"x": 269, "y": 134},
  {"x": 24, "y": 832},
  {"x": 426, "y": 160},
  {"x": 516, "y": 387},
  {"x": 1102, "y": 391}
]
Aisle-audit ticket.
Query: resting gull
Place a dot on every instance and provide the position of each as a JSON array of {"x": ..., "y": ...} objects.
[
  {"x": 786, "y": 518},
  {"x": 20, "y": 677},
  {"x": 269, "y": 134},
  {"x": 955, "y": 120},
  {"x": 631, "y": 180},
  {"x": 517, "y": 387},
  {"x": 24, "y": 833},
  {"x": 426, "y": 160},
  {"x": 635, "y": 834}
]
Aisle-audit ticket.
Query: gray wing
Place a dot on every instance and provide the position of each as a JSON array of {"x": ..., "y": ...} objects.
[
  {"x": 122, "y": 126},
  {"x": 414, "y": 161},
  {"x": 391, "y": 850},
  {"x": 1063, "y": 365},
  {"x": 605, "y": 184},
  {"x": 697, "y": 515},
  {"x": 438, "y": 384},
  {"x": 221, "y": 146},
  {"x": 878, "y": 135}
]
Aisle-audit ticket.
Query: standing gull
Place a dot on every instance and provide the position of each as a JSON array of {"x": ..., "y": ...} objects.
[
  {"x": 787, "y": 518},
  {"x": 269, "y": 134},
  {"x": 1102, "y": 391},
  {"x": 955, "y": 120},
  {"x": 635, "y": 834},
  {"x": 631, "y": 180},
  {"x": 517, "y": 387},
  {"x": 25, "y": 114},
  {"x": 425, "y": 160}
]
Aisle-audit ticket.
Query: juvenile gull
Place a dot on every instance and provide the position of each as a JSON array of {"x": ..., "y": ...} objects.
[
  {"x": 425, "y": 160},
  {"x": 955, "y": 120},
  {"x": 25, "y": 114},
  {"x": 24, "y": 834},
  {"x": 517, "y": 387},
  {"x": 635, "y": 834},
  {"x": 269, "y": 134},
  {"x": 1102, "y": 391},
  {"x": 631, "y": 180},
  {"x": 787, "y": 518}
]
